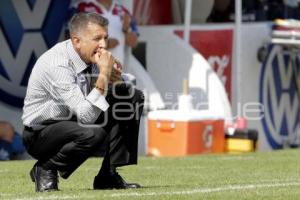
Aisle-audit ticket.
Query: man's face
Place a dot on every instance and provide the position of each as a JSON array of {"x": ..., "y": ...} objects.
[{"x": 89, "y": 41}]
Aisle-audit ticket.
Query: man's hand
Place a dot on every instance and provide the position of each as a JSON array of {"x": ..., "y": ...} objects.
[
  {"x": 116, "y": 72},
  {"x": 104, "y": 61}
]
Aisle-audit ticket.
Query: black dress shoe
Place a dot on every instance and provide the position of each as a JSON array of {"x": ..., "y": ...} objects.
[
  {"x": 45, "y": 180},
  {"x": 112, "y": 181}
]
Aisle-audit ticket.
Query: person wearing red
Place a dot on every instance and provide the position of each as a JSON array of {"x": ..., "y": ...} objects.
[{"x": 122, "y": 28}]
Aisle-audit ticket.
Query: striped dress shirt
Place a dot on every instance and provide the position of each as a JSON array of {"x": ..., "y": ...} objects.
[{"x": 58, "y": 89}]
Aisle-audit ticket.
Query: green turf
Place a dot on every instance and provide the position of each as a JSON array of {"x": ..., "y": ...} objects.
[{"x": 268, "y": 175}]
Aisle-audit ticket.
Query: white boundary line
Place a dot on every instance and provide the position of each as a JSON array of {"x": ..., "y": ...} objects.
[
  {"x": 173, "y": 193},
  {"x": 208, "y": 190},
  {"x": 52, "y": 197}
]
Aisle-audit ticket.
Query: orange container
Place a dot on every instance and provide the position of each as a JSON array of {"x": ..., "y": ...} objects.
[{"x": 179, "y": 133}]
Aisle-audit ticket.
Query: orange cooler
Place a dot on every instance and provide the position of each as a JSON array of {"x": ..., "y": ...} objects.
[{"x": 179, "y": 133}]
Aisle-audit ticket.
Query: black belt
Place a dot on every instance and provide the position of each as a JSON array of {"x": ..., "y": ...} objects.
[
  {"x": 27, "y": 128},
  {"x": 45, "y": 123}
]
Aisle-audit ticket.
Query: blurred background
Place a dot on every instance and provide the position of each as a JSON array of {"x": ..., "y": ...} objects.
[{"x": 219, "y": 75}]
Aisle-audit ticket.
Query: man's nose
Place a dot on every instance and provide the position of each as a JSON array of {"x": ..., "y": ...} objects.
[{"x": 103, "y": 44}]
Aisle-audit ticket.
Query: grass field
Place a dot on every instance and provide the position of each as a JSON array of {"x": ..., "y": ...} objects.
[{"x": 268, "y": 175}]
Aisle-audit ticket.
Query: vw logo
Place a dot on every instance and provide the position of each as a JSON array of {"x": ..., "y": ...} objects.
[
  {"x": 27, "y": 29},
  {"x": 279, "y": 93}
]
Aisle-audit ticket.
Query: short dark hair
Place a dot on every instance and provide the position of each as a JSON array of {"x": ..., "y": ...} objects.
[{"x": 80, "y": 20}]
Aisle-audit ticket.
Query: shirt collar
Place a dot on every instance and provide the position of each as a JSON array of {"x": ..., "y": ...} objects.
[{"x": 78, "y": 63}]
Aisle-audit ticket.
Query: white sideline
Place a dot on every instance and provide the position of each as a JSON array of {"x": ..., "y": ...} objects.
[
  {"x": 186, "y": 192},
  {"x": 208, "y": 190},
  {"x": 51, "y": 197}
]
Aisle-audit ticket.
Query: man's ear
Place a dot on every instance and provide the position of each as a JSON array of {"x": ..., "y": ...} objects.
[{"x": 76, "y": 42}]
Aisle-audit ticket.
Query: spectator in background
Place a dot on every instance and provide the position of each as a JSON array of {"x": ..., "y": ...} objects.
[
  {"x": 122, "y": 28},
  {"x": 274, "y": 9},
  {"x": 292, "y": 9},
  {"x": 221, "y": 11},
  {"x": 254, "y": 10},
  {"x": 10, "y": 142}
]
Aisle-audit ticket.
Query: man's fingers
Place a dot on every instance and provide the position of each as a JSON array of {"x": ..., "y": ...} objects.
[
  {"x": 115, "y": 76},
  {"x": 116, "y": 70},
  {"x": 104, "y": 59},
  {"x": 118, "y": 65}
]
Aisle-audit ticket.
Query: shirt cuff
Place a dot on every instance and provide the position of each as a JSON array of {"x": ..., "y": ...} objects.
[{"x": 97, "y": 99}]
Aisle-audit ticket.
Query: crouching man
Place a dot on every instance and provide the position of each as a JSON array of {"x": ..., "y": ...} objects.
[{"x": 76, "y": 102}]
